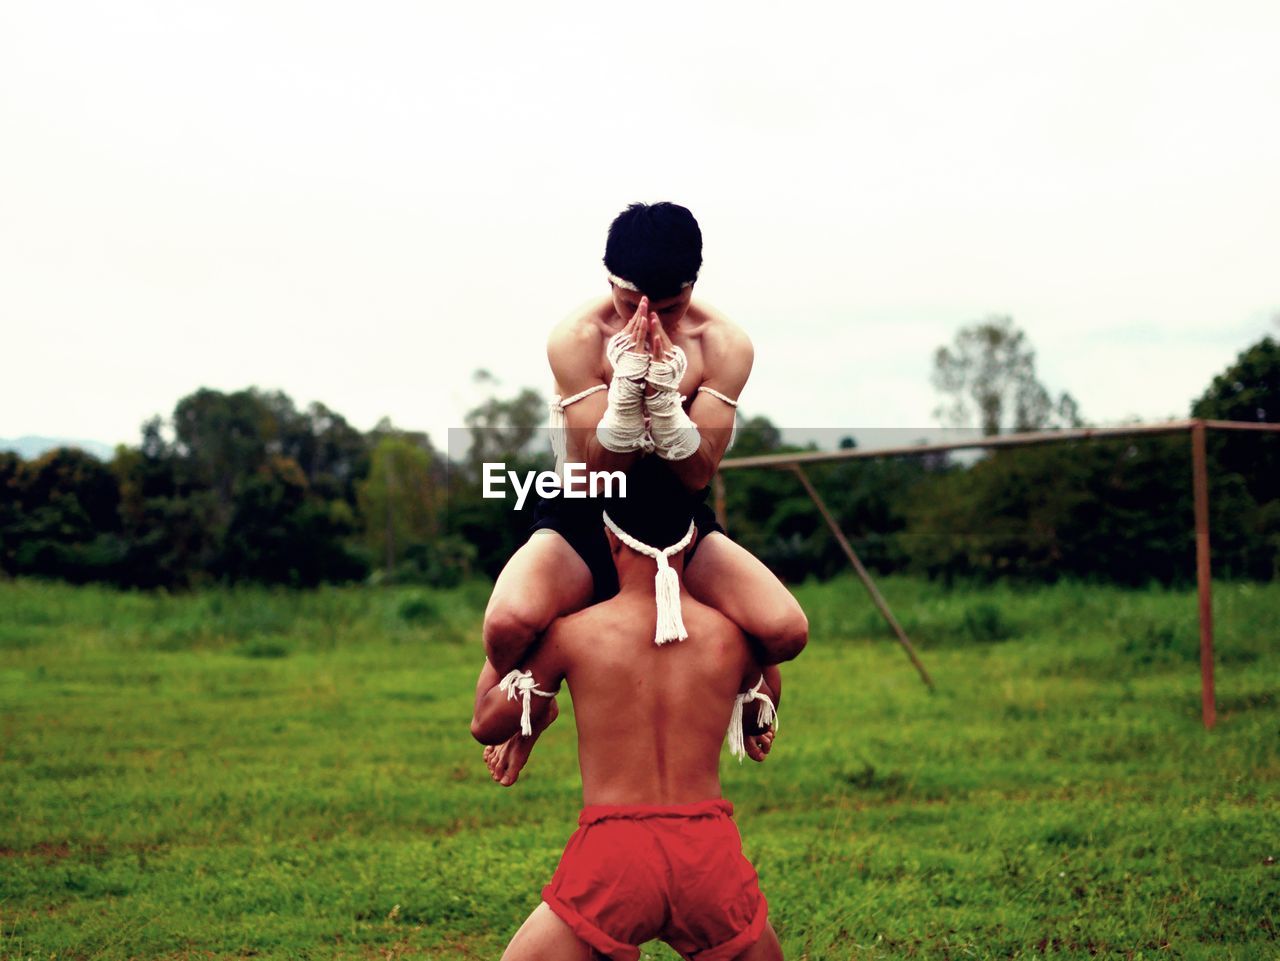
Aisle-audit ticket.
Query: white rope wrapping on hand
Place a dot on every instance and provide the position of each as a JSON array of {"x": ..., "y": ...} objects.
[
  {"x": 622, "y": 428},
  {"x": 670, "y": 626},
  {"x": 667, "y": 373},
  {"x": 521, "y": 684},
  {"x": 674, "y": 435},
  {"x": 559, "y": 425},
  {"x": 766, "y": 716}
]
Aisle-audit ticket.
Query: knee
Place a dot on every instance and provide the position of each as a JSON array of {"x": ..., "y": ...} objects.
[
  {"x": 509, "y": 631},
  {"x": 784, "y": 633}
]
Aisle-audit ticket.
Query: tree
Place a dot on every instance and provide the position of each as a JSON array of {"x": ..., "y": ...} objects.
[
  {"x": 499, "y": 430},
  {"x": 1248, "y": 390},
  {"x": 991, "y": 365},
  {"x": 60, "y": 517},
  {"x": 222, "y": 438},
  {"x": 280, "y": 535},
  {"x": 504, "y": 430},
  {"x": 398, "y": 500}
]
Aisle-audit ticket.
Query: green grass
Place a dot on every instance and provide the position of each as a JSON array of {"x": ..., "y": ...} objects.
[{"x": 289, "y": 775}]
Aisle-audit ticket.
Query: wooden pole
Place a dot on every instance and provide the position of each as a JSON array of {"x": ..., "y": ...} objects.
[
  {"x": 979, "y": 443},
  {"x": 1204, "y": 583},
  {"x": 861, "y": 571},
  {"x": 717, "y": 494}
]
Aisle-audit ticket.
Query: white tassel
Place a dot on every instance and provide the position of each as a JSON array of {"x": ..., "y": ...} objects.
[
  {"x": 766, "y": 713},
  {"x": 766, "y": 717},
  {"x": 559, "y": 445},
  {"x": 666, "y": 584},
  {"x": 520, "y": 684},
  {"x": 737, "y": 745},
  {"x": 670, "y": 626}
]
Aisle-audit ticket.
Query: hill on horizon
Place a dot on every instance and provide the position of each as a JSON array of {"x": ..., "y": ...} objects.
[{"x": 31, "y": 446}]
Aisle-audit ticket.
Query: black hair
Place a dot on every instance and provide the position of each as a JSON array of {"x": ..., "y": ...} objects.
[
  {"x": 657, "y": 247},
  {"x": 658, "y": 507}
]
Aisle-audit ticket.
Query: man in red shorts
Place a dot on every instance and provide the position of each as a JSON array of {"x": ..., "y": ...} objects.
[{"x": 656, "y": 678}]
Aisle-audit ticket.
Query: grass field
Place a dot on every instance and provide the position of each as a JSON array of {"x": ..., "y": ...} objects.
[{"x": 281, "y": 775}]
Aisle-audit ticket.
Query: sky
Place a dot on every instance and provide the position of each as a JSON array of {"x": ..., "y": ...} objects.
[{"x": 364, "y": 204}]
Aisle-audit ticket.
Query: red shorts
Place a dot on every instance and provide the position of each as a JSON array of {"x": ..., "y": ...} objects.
[{"x": 635, "y": 872}]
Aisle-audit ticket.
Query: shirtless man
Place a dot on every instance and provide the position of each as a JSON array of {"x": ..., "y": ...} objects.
[
  {"x": 679, "y": 406},
  {"x": 656, "y": 854}
]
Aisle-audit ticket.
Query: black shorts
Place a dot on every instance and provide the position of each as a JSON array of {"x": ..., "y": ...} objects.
[{"x": 578, "y": 521}]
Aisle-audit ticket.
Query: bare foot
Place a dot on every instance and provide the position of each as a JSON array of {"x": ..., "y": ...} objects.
[{"x": 507, "y": 760}]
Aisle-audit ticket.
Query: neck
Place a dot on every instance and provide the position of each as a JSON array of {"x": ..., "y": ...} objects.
[{"x": 636, "y": 572}]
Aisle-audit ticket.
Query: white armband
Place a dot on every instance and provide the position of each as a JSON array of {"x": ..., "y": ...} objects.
[
  {"x": 521, "y": 684},
  {"x": 766, "y": 716},
  {"x": 621, "y": 428}
]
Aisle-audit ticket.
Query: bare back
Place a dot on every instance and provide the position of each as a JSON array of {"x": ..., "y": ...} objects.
[{"x": 651, "y": 720}]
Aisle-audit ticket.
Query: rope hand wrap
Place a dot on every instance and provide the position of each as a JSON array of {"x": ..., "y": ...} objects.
[
  {"x": 766, "y": 717},
  {"x": 521, "y": 684},
  {"x": 670, "y": 625},
  {"x": 675, "y": 436},
  {"x": 622, "y": 428}
]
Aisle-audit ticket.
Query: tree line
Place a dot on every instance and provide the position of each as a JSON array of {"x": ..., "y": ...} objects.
[{"x": 246, "y": 487}]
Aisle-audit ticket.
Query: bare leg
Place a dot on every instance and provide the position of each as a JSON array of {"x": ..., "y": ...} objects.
[
  {"x": 544, "y": 579},
  {"x": 728, "y": 577},
  {"x": 506, "y": 760},
  {"x": 544, "y": 937}
]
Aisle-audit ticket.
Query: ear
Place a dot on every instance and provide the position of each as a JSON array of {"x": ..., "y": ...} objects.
[{"x": 615, "y": 545}]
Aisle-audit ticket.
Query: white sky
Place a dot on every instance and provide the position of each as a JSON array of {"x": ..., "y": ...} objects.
[{"x": 363, "y": 203}]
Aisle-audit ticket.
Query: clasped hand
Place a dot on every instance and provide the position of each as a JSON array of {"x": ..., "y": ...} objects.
[
  {"x": 642, "y": 355},
  {"x": 643, "y": 351}
]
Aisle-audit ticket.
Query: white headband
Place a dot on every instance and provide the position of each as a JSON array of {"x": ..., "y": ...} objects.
[
  {"x": 666, "y": 585},
  {"x": 628, "y": 285}
]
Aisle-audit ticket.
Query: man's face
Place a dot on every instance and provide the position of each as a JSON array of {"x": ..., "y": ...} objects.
[{"x": 669, "y": 311}]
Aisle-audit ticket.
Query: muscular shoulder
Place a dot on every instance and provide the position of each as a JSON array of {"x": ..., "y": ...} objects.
[
  {"x": 574, "y": 346},
  {"x": 572, "y": 630},
  {"x": 712, "y": 629},
  {"x": 723, "y": 334},
  {"x": 559, "y": 648},
  {"x": 727, "y": 351}
]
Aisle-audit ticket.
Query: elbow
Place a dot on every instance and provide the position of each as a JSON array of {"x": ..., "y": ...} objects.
[
  {"x": 700, "y": 477},
  {"x": 787, "y": 638},
  {"x": 695, "y": 472}
]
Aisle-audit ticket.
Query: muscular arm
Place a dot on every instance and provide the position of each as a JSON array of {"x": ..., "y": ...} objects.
[
  {"x": 497, "y": 717},
  {"x": 727, "y": 358}
]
